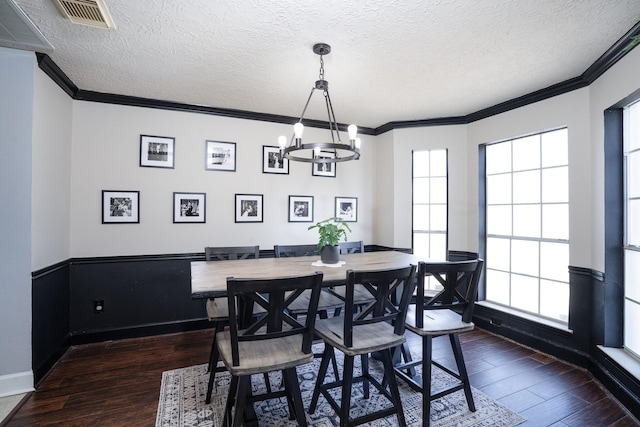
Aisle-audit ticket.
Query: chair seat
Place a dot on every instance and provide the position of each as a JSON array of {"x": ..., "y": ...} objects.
[
  {"x": 326, "y": 302},
  {"x": 366, "y": 338},
  {"x": 263, "y": 355},
  {"x": 360, "y": 294},
  {"x": 437, "y": 322},
  {"x": 218, "y": 309}
]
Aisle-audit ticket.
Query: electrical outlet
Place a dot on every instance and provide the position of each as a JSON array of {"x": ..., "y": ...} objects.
[{"x": 98, "y": 306}]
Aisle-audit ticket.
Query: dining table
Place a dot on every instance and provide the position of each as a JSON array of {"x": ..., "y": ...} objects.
[{"x": 209, "y": 278}]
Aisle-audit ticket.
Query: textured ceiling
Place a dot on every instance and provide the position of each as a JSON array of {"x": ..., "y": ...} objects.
[{"x": 391, "y": 60}]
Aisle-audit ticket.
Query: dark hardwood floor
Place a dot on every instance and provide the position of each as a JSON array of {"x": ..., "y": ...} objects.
[{"x": 117, "y": 383}]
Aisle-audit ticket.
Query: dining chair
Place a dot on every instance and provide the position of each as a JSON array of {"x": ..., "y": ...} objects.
[
  {"x": 361, "y": 296},
  {"x": 448, "y": 312},
  {"x": 217, "y": 311},
  {"x": 273, "y": 342},
  {"x": 327, "y": 300},
  {"x": 378, "y": 328}
]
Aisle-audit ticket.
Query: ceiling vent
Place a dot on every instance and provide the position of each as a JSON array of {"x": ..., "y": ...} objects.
[{"x": 93, "y": 13}]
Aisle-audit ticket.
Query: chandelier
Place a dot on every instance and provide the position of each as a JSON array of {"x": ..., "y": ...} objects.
[{"x": 332, "y": 151}]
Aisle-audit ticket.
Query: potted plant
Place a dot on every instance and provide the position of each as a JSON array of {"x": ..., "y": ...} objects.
[{"x": 330, "y": 231}]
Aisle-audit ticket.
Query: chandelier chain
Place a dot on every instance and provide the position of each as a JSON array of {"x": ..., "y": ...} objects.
[{"x": 321, "y": 76}]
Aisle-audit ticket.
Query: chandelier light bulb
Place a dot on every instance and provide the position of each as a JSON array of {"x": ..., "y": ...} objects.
[
  {"x": 353, "y": 132},
  {"x": 282, "y": 142},
  {"x": 298, "y": 128}
]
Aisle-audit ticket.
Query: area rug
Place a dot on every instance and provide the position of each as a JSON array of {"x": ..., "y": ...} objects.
[{"x": 183, "y": 391}]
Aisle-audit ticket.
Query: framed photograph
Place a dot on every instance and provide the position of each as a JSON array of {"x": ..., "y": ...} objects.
[
  {"x": 300, "y": 208},
  {"x": 324, "y": 169},
  {"x": 120, "y": 207},
  {"x": 347, "y": 208},
  {"x": 157, "y": 151},
  {"x": 248, "y": 207},
  {"x": 272, "y": 161},
  {"x": 221, "y": 156},
  {"x": 189, "y": 208}
]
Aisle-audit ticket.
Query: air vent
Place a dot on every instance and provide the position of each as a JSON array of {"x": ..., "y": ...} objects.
[{"x": 93, "y": 13}]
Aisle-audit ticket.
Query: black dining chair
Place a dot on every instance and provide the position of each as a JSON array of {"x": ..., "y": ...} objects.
[
  {"x": 448, "y": 312},
  {"x": 378, "y": 328},
  {"x": 361, "y": 296},
  {"x": 274, "y": 342},
  {"x": 217, "y": 311}
]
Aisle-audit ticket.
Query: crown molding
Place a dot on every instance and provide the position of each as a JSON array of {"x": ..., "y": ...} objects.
[{"x": 614, "y": 54}]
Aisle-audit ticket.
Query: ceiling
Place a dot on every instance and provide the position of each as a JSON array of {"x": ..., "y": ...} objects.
[{"x": 391, "y": 60}]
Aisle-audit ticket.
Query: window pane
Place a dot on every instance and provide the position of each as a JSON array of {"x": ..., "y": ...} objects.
[
  {"x": 438, "y": 218},
  {"x": 524, "y": 293},
  {"x": 498, "y": 189},
  {"x": 438, "y": 247},
  {"x": 498, "y": 287},
  {"x": 498, "y": 158},
  {"x": 526, "y": 220},
  {"x": 500, "y": 250},
  {"x": 438, "y": 190},
  {"x": 421, "y": 244},
  {"x": 554, "y": 300},
  {"x": 526, "y": 153},
  {"x": 555, "y": 151},
  {"x": 421, "y": 190},
  {"x": 555, "y": 221},
  {"x": 438, "y": 163},
  {"x": 554, "y": 261},
  {"x": 633, "y": 174},
  {"x": 420, "y": 163},
  {"x": 632, "y": 275},
  {"x": 631, "y": 335},
  {"x": 524, "y": 257},
  {"x": 499, "y": 220},
  {"x": 526, "y": 187},
  {"x": 555, "y": 185},
  {"x": 633, "y": 222},
  {"x": 421, "y": 217}
]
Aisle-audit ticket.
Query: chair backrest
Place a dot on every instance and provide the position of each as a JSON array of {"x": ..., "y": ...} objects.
[
  {"x": 274, "y": 296},
  {"x": 231, "y": 253},
  {"x": 459, "y": 280},
  {"x": 352, "y": 247},
  {"x": 282, "y": 251},
  {"x": 391, "y": 290}
]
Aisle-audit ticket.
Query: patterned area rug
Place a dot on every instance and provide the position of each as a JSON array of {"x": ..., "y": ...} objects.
[{"x": 183, "y": 391}]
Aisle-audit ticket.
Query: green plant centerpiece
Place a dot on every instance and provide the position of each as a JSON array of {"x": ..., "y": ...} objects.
[{"x": 330, "y": 232}]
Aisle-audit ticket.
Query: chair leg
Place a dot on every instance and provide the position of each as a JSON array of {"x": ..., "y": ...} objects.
[
  {"x": 322, "y": 372},
  {"x": 347, "y": 384},
  {"x": 214, "y": 346},
  {"x": 462, "y": 370},
  {"x": 231, "y": 398},
  {"x": 213, "y": 362},
  {"x": 244, "y": 386},
  {"x": 364, "y": 362},
  {"x": 393, "y": 386},
  {"x": 426, "y": 379},
  {"x": 293, "y": 388}
]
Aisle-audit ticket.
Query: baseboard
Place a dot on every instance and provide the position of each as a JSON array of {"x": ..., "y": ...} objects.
[
  {"x": 41, "y": 372},
  {"x": 18, "y": 383},
  {"x": 140, "y": 331}
]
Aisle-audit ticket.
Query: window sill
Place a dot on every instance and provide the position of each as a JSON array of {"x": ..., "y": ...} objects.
[
  {"x": 622, "y": 357},
  {"x": 562, "y": 327}
]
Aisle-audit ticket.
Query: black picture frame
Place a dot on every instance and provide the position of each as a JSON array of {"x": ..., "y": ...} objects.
[
  {"x": 120, "y": 207},
  {"x": 249, "y": 208},
  {"x": 220, "y": 156},
  {"x": 189, "y": 208},
  {"x": 300, "y": 208},
  {"x": 272, "y": 161},
  {"x": 347, "y": 208},
  {"x": 157, "y": 151},
  {"x": 327, "y": 169}
]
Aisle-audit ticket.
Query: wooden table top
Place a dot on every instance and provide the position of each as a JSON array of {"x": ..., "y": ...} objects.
[{"x": 209, "y": 279}]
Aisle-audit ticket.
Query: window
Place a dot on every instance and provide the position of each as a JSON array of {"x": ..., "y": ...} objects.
[
  {"x": 527, "y": 224},
  {"x": 631, "y": 120},
  {"x": 430, "y": 203}
]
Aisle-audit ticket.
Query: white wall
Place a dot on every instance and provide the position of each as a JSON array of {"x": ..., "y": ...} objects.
[
  {"x": 16, "y": 104},
  {"x": 51, "y": 176},
  {"x": 105, "y": 156}
]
